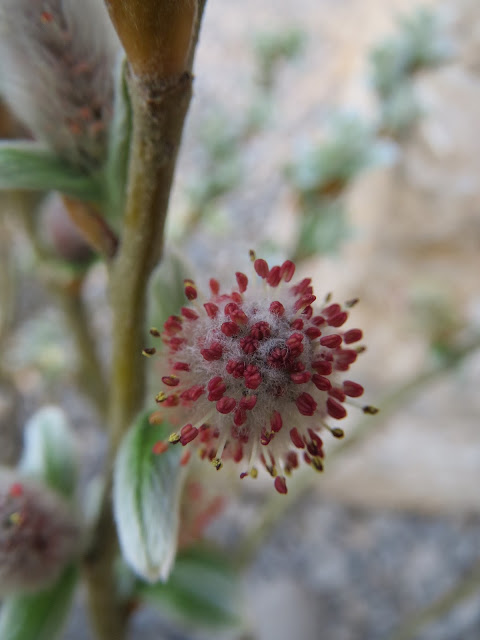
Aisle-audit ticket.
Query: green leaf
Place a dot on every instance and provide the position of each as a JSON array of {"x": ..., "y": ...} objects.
[
  {"x": 203, "y": 589},
  {"x": 146, "y": 496},
  {"x": 49, "y": 450},
  {"x": 118, "y": 146},
  {"x": 39, "y": 616},
  {"x": 28, "y": 165}
]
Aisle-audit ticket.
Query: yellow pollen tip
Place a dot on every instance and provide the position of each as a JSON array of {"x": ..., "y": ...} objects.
[
  {"x": 149, "y": 351},
  {"x": 160, "y": 397},
  {"x": 217, "y": 463},
  {"x": 15, "y": 518},
  {"x": 173, "y": 438},
  {"x": 253, "y": 472}
]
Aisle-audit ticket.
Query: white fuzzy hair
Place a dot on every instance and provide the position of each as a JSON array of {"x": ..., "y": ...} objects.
[{"x": 56, "y": 64}]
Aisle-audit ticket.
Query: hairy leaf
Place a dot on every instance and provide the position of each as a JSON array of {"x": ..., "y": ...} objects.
[
  {"x": 146, "y": 497},
  {"x": 28, "y": 165},
  {"x": 49, "y": 450}
]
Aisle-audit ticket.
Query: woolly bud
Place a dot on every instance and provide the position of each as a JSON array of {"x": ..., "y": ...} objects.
[
  {"x": 57, "y": 60},
  {"x": 39, "y": 535}
]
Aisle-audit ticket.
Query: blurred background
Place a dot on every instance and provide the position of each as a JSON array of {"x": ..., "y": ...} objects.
[{"x": 345, "y": 135}]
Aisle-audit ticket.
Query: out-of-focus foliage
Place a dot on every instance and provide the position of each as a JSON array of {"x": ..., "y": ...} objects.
[
  {"x": 202, "y": 590},
  {"x": 418, "y": 44},
  {"x": 273, "y": 47}
]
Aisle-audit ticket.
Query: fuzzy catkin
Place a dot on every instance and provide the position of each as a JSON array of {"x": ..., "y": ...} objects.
[
  {"x": 56, "y": 67},
  {"x": 39, "y": 534}
]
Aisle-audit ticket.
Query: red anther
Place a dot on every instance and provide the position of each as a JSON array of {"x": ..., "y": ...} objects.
[
  {"x": 249, "y": 345},
  {"x": 324, "y": 367},
  {"x": 302, "y": 287},
  {"x": 261, "y": 267},
  {"x": 313, "y": 333},
  {"x": 171, "y": 401},
  {"x": 191, "y": 291},
  {"x": 294, "y": 344},
  {"x": 190, "y": 314},
  {"x": 214, "y": 286},
  {"x": 308, "y": 312},
  {"x": 337, "y": 393},
  {"x": 236, "y": 369},
  {"x": 306, "y": 405},
  {"x": 277, "y": 308},
  {"x": 301, "y": 377},
  {"x": 184, "y": 460},
  {"x": 226, "y": 405},
  {"x": 280, "y": 485},
  {"x": 239, "y": 317},
  {"x": 307, "y": 458},
  {"x": 331, "y": 310},
  {"x": 260, "y": 330},
  {"x": 277, "y": 358},
  {"x": 318, "y": 320},
  {"x": 335, "y": 409},
  {"x": 181, "y": 366},
  {"x": 248, "y": 402},
  {"x": 296, "y": 438},
  {"x": 253, "y": 378},
  {"x": 229, "y": 329},
  {"x": 243, "y": 475},
  {"x": 230, "y": 307},
  {"x": 236, "y": 297},
  {"x": 287, "y": 270},
  {"x": 242, "y": 281},
  {"x": 192, "y": 394},
  {"x": 187, "y": 434},
  {"x": 172, "y": 325},
  {"x": 238, "y": 453},
  {"x": 345, "y": 356},
  {"x": 176, "y": 343},
  {"x": 266, "y": 437},
  {"x": 338, "y": 319},
  {"x": 353, "y": 335},
  {"x": 211, "y": 309},
  {"x": 276, "y": 422},
  {"x": 291, "y": 460},
  {"x": 297, "y": 324},
  {"x": 304, "y": 301},
  {"x": 240, "y": 417},
  {"x": 171, "y": 381},
  {"x": 332, "y": 341},
  {"x": 16, "y": 490},
  {"x": 274, "y": 277},
  {"x": 216, "y": 388},
  {"x": 352, "y": 389},
  {"x": 322, "y": 383},
  {"x": 159, "y": 447},
  {"x": 214, "y": 352}
]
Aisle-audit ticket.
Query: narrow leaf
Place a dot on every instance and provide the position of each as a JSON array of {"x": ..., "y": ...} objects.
[
  {"x": 39, "y": 616},
  {"x": 27, "y": 165},
  {"x": 49, "y": 450},
  {"x": 118, "y": 146},
  {"x": 203, "y": 589},
  {"x": 146, "y": 496}
]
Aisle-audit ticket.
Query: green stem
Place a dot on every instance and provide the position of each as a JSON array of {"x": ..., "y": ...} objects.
[
  {"x": 278, "y": 505},
  {"x": 461, "y": 592},
  {"x": 158, "y": 112}
]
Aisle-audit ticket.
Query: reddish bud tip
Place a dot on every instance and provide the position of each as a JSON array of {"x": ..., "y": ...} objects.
[
  {"x": 242, "y": 281},
  {"x": 281, "y": 485},
  {"x": 306, "y": 405},
  {"x": 261, "y": 267}
]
